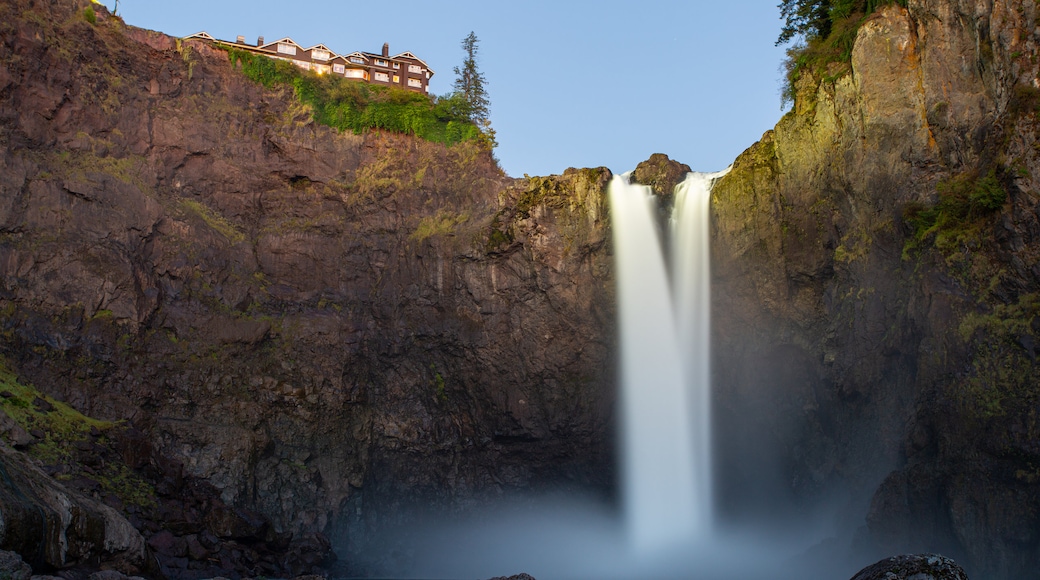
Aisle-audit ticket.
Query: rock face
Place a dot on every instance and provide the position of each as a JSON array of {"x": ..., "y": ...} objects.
[
  {"x": 327, "y": 327},
  {"x": 54, "y": 527},
  {"x": 917, "y": 567},
  {"x": 311, "y": 333},
  {"x": 875, "y": 316}
]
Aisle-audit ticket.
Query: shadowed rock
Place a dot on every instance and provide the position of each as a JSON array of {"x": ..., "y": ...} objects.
[{"x": 913, "y": 567}]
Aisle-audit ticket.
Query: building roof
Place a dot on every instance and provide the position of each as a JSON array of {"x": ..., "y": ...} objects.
[
  {"x": 407, "y": 54},
  {"x": 285, "y": 40},
  {"x": 203, "y": 35}
]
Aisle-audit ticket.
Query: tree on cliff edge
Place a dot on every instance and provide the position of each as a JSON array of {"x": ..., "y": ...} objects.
[{"x": 469, "y": 83}]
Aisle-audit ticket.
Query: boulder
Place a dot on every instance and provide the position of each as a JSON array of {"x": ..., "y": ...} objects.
[
  {"x": 13, "y": 567},
  {"x": 913, "y": 567}
]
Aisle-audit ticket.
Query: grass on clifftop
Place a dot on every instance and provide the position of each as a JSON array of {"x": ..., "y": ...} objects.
[{"x": 350, "y": 105}]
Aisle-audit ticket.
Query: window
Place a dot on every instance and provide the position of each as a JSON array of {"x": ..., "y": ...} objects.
[
  {"x": 397, "y": 65},
  {"x": 381, "y": 76},
  {"x": 415, "y": 83},
  {"x": 322, "y": 69},
  {"x": 381, "y": 62},
  {"x": 397, "y": 79},
  {"x": 414, "y": 68},
  {"x": 285, "y": 48},
  {"x": 320, "y": 54},
  {"x": 338, "y": 68},
  {"x": 302, "y": 64},
  {"x": 355, "y": 74},
  {"x": 357, "y": 60}
]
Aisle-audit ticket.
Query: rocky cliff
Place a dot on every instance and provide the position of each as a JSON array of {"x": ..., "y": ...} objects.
[
  {"x": 252, "y": 335},
  {"x": 876, "y": 282},
  {"x": 326, "y": 327}
]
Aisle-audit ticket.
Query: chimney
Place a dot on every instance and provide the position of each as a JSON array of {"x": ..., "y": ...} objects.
[
  {"x": 386, "y": 49},
  {"x": 260, "y": 41},
  {"x": 241, "y": 39}
]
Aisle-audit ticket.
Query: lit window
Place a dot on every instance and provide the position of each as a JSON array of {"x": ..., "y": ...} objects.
[
  {"x": 397, "y": 79},
  {"x": 355, "y": 74},
  {"x": 285, "y": 48},
  {"x": 357, "y": 60},
  {"x": 381, "y": 76},
  {"x": 397, "y": 65},
  {"x": 380, "y": 62},
  {"x": 320, "y": 54},
  {"x": 415, "y": 83},
  {"x": 414, "y": 68},
  {"x": 338, "y": 68}
]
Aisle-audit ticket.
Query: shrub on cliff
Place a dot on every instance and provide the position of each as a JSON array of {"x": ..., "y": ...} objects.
[
  {"x": 964, "y": 202},
  {"x": 355, "y": 106},
  {"x": 824, "y": 32}
]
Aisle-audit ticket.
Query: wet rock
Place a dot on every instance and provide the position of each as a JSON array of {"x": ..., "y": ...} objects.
[
  {"x": 42, "y": 405},
  {"x": 913, "y": 567},
  {"x": 13, "y": 567},
  {"x": 14, "y": 432}
]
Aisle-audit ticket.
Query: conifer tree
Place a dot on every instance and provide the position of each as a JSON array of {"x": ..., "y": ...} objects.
[{"x": 469, "y": 82}]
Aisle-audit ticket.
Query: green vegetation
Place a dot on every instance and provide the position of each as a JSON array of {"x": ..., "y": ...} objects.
[
  {"x": 63, "y": 428},
  {"x": 438, "y": 384},
  {"x": 469, "y": 83},
  {"x": 89, "y": 15},
  {"x": 957, "y": 218},
  {"x": 1004, "y": 365},
  {"x": 824, "y": 32},
  {"x": 63, "y": 425},
  {"x": 349, "y": 105},
  {"x": 441, "y": 224},
  {"x": 215, "y": 221}
]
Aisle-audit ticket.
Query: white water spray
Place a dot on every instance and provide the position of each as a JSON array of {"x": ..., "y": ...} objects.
[{"x": 665, "y": 368}]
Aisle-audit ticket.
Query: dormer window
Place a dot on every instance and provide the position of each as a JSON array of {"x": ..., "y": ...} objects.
[
  {"x": 286, "y": 48},
  {"x": 357, "y": 60},
  {"x": 320, "y": 54}
]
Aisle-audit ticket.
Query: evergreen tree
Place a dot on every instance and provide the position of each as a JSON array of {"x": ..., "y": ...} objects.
[
  {"x": 469, "y": 83},
  {"x": 807, "y": 18}
]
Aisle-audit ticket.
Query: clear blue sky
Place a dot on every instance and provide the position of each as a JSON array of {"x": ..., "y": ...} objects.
[{"x": 572, "y": 84}]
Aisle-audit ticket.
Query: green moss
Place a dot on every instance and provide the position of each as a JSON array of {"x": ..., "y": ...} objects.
[
  {"x": 214, "y": 220},
  {"x": 1002, "y": 377},
  {"x": 89, "y": 15},
  {"x": 79, "y": 165},
  {"x": 439, "y": 386},
  {"x": 62, "y": 426},
  {"x": 444, "y": 223}
]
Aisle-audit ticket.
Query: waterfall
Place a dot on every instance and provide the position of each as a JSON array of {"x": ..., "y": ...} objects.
[{"x": 665, "y": 374}]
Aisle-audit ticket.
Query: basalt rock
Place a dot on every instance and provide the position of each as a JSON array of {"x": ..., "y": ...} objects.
[
  {"x": 916, "y": 567},
  {"x": 325, "y": 328},
  {"x": 886, "y": 351}
]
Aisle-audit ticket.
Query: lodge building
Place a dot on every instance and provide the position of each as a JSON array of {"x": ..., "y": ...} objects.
[{"x": 404, "y": 70}]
